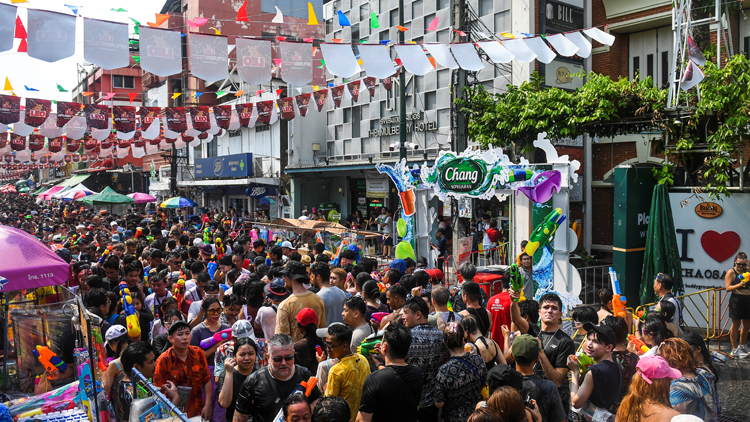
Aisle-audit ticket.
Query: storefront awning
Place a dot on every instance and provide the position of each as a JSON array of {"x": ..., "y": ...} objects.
[{"x": 74, "y": 180}]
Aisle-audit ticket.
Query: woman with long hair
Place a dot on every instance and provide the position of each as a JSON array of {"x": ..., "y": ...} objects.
[
  {"x": 653, "y": 332},
  {"x": 159, "y": 327},
  {"x": 371, "y": 295},
  {"x": 739, "y": 305},
  {"x": 648, "y": 397},
  {"x": 236, "y": 371},
  {"x": 694, "y": 392},
  {"x": 304, "y": 349},
  {"x": 491, "y": 353},
  {"x": 507, "y": 404}
]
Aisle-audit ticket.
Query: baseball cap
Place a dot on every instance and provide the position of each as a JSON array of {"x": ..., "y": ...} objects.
[
  {"x": 242, "y": 328},
  {"x": 295, "y": 270},
  {"x": 502, "y": 375},
  {"x": 323, "y": 332},
  {"x": 178, "y": 325},
  {"x": 287, "y": 244},
  {"x": 525, "y": 349},
  {"x": 80, "y": 226},
  {"x": 115, "y": 237},
  {"x": 114, "y": 332},
  {"x": 655, "y": 367},
  {"x": 114, "y": 223},
  {"x": 57, "y": 238},
  {"x": 276, "y": 290},
  {"x": 435, "y": 274},
  {"x": 605, "y": 333},
  {"x": 128, "y": 233},
  {"x": 207, "y": 249},
  {"x": 197, "y": 242},
  {"x": 307, "y": 316}
]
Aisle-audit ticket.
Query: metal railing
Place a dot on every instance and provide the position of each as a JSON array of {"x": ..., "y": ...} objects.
[{"x": 592, "y": 279}]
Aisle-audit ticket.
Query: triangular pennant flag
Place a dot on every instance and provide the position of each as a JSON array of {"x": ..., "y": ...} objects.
[
  {"x": 18, "y": 1},
  {"x": 311, "y": 18},
  {"x": 109, "y": 96},
  {"x": 343, "y": 21},
  {"x": 23, "y": 48},
  {"x": 432, "y": 60},
  {"x": 384, "y": 42},
  {"x": 197, "y": 22},
  {"x": 60, "y": 88},
  {"x": 402, "y": 28},
  {"x": 216, "y": 31},
  {"x": 315, "y": 87},
  {"x": 315, "y": 49},
  {"x": 132, "y": 96},
  {"x": 87, "y": 93},
  {"x": 279, "y": 91},
  {"x": 279, "y": 18},
  {"x": 161, "y": 18},
  {"x": 117, "y": 10},
  {"x": 260, "y": 91},
  {"x": 137, "y": 59},
  {"x": 220, "y": 94},
  {"x": 7, "y": 86},
  {"x": 198, "y": 94},
  {"x": 277, "y": 62},
  {"x": 20, "y": 30},
  {"x": 507, "y": 35},
  {"x": 526, "y": 34},
  {"x": 374, "y": 20},
  {"x": 175, "y": 95},
  {"x": 239, "y": 93},
  {"x": 309, "y": 40},
  {"x": 281, "y": 38},
  {"x": 692, "y": 76},
  {"x": 242, "y": 13},
  {"x": 433, "y": 25},
  {"x": 136, "y": 29},
  {"x": 337, "y": 40},
  {"x": 30, "y": 89},
  {"x": 73, "y": 9},
  {"x": 461, "y": 33},
  {"x": 695, "y": 53}
]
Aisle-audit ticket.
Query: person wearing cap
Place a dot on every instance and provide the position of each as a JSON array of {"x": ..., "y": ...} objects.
[
  {"x": 286, "y": 248},
  {"x": 648, "y": 397},
  {"x": 275, "y": 292},
  {"x": 239, "y": 366},
  {"x": 240, "y": 329},
  {"x": 305, "y": 349},
  {"x": 600, "y": 388},
  {"x": 185, "y": 365},
  {"x": 525, "y": 350},
  {"x": 346, "y": 378},
  {"x": 295, "y": 277}
]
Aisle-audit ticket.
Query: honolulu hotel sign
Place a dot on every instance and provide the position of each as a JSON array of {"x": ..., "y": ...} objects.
[{"x": 414, "y": 123}]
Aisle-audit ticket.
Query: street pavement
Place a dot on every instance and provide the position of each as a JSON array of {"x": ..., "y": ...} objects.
[{"x": 734, "y": 383}]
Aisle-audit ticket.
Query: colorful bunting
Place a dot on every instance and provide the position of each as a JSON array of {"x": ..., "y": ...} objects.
[
  {"x": 432, "y": 60},
  {"x": 7, "y": 86},
  {"x": 18, "y": 1},
  {"x": 374, "y": 20},
  {"x": 137, "y": 59},
  {"x": 507, "y": 35},
  {"x": 220, "y": 94},
  {"x": 20, "y": 30},
  {"x": 197, "y": 22},
  {"x": 279, "y": 18},
  {"x": 239, "y": 93},
  {"x": 87, "y": 93},
  {"x": 279, "y": 91},
  {"x": 216, "y": 31},
  {"x": 117, "y": 10},
  {"x": 198, "y": 94},
  {"x": 132, "y": 96},
  {"x": 30, "y": 89},
  {"x": 242, "y": 12},
  {"x": 402, "y": 28},
  {"x": 277, "y": 62},
  {"x": 73, "y": 9},
  {"x": 281, "y": 38},
  {"x": 461, "y": 33},
  {"x": 136, "y": 29},
  {"x": 60, "y": 88},
  {"x": 311, "y": 18},
  {"x": 109, "y": 96},
  {"x": 526, "y": 34},
  {"x": 343, "y": 21},
  {"x": 160, "y": 19},
  {"x": 175, "y": 95},
  {"x": 433, "y": 25},
  {"x": 260, "y": 91}
]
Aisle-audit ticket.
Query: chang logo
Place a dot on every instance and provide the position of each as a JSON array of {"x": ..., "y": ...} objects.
[{"x": 462, "y": 175}]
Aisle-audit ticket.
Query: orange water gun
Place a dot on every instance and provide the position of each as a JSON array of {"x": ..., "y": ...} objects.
[
  {"x": 639, "y": 345},
  {"x": 618, "y": 301}
]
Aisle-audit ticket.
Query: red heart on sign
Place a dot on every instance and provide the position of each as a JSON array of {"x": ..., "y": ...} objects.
[{"x": 720, "y": 246}]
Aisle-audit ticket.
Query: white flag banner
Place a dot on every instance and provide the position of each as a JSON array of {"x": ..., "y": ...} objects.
[
  {"x": 442, "y": 54},
  {"x": 692, "y": 76},
  {"x": 520, "y": 50},
  {"x": 543, "y": 53},
  {"x": 253, "y": 60},
  {"x": 340, "y": 60},
  {"x": 122, "y": 153},
  {"x": 191, "y": 131},
  {"x": 125, "y": 136},
  {"x": 138, "y": 152},
  {"x": 151, "y": 149},
  {"x": 161, "y": 51},
  {"x": 584, "y": 45},
  {"x": 466, "y": 56},
  {"x": 7, "y": 26},
  {"x": 496, "y": 51},
  {"x": 296, "y": 62},
  {"x": 695, "y": 52},
  {"x": 563, "y": 46},
  {"x": 105, "y": 44},
  {"x": 51, "y": 35},
  {"x": 49, "y": 128},
  {"x": 413, "y": 58},
  {"x": 152, "y": 131},
  {"x": 376, "y": 60},
  {"x": 208, "y": 57},
  {"x": 168, "y": 133},
  {"x": 214, "y": 129},
  {"x": 76, "y": 127},
  {"x": 599, "y": 35},
  {"x": 274, "y": 114},
  {"x": 253, "y": 118},
  {"x": 234, "y": 120}
]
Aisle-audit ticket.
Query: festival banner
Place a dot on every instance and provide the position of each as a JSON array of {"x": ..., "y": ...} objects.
[
  {"x": 138, "y": 140},
  {"x": 148, "y": 116},
  {"x": 4, "y": 139},
  {"x": 105, "y": 44},
  {"x": 37, "y": 111},
  {"x": 107, "y": 142},
  {"x": 340, "y": 60},
  {"x": 73, "y": 145},
  {"x": 296, "y": 63},
  {"x": 10, "y": 107},
  {"x": 161, "y": 51},
  {"x": 89, "y": 143},
  {"x": 303, "y": 103},
  {"x": 286, "y": 105},
  {"x": 17, "y": 143},
  {"x": 66, "y": 111},
  {"x": 176, "y": 119},
  {"x": 49, "y": 128},
  {"x": 36, "y": 142},
  {"x": 253, "y": 60},
  {"x": 7, "y": 26},
  {"x": 76, "y": 127},
  {"x": 370, "y": 83},
  {"x": 124, "y": 117},
  {"x": 56, "y": 144},
  {"x": 244, "y": 112},
  {"x": 337, "y": 94},
  {"x": 387, "y": 83},
  {"x": 264, "y": 111},
  {"x": 208, "y": 57},
  {"x": 199, "y": 117},
  {"x": 97, "y": 116},
  {"x": 376, "y": 60},
  {"x": 354, "y": 87},
  {"x": 51, "y": 35},
  {"x": 123, "y": 144},
  {"x": 320, "y": 98},
  {"x": 223, "y": 115}
]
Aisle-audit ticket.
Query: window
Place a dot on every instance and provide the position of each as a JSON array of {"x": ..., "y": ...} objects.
[
  {"x": 382, "y": 109},
  {"x": 355, "y": 34},
  {"x": 650, "y": 66},
  {"x": 329, "y": 26},
  {"x": 418, "y": 84},
  {"x": 650, "y": 55},
  {"x": 636, "y": 66},
  {"x": 443, "y": 118},
  {"x": 442, "y": 4},
  {"x": 329, "y": 118},
  {"x": 121, "y": 81},
  {"x": 430, "y": 100},
  {"x": 337, "y": 132},
  {"x": 382, "y": 5},
  {"x": 394, "y": 18},
  {"x": 502, "y": 21},
  {"x": 212, "y": 148},
  {"x": 364, "y": 12},
  {"x": 384, "y": 36},
  {"x": 747, "y": 47},
  {"x": 356, "y": 118},
  {"x": 443, "y": 36},
  {"x": 428, "y": 20},
  {"x": 416, "y": 9},
  {"x": 485, "y": 7},
  {"x": 347, "y": 115},
  {"x": 443, "y": 78},
  {"x": 235, "y": 133},
  {"x": 262, "y": 128}
]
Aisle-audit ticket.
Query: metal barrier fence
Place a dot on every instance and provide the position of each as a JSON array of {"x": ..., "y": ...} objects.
[
  {"x": 592, "y": 279},
  {"x": 494, "y": 256}
]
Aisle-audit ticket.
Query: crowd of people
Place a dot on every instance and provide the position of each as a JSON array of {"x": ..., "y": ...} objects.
[{"x": 241, "y": 327}]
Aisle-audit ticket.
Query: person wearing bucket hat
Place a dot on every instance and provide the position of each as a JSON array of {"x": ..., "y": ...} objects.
[
  {"x": 648, "y": 396},
  {"x": 240, "y": 329},
  {"x": 295, "y": 277},
  {"x": 602, "y": 383}
]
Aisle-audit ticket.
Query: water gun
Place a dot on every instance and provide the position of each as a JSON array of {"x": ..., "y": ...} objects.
[
  {"x": 743, "y": 278},
  {"x": 338, "y": 253},
  {"x": 306, "y": 387},
  {"x": 220, "y": 336},
  {"x": 318, "y": 236},
  {"x": 516, "y": 281},
  {"x": 368, "y": 344},
  {"x": 545, "y": 232},
  {"x": 219, "y": 248},
  {"x": 49, "y": 360},
  {"x": 520, "y": 175},
  {"x": 378, "y": 316},
  {"x": 639, "y": 345},
  {"x": 642, "y": 314},
  {"x": 318, "y": 350},
  {"x": 102, "y": 360},
  {"x": 179, "y": 292},
  {"x": 207, "y": 235},
  {"x": 105, "y": 254},
  {"x": 618, "y": 301},
  {"x": 211, "y": 269},
  {"x": 584, "y": 361},
  {"x": 131, "y": 320}
]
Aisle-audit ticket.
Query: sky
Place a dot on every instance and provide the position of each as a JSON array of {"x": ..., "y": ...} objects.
[{"x": 20, "y": 69}]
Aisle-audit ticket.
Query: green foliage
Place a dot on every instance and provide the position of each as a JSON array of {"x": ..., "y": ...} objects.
[{"x": 717, "y": 122}]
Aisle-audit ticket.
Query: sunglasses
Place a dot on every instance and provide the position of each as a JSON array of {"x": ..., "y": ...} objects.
[
  {"x": 288, "y": 358},
  {"x": 741, "y": 264},
  {"x": 214, "y": 311},
  {"x": 331, "y": 346}
]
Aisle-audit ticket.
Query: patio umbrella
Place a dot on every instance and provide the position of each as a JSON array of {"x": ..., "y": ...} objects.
[
  {"x": 27, "y": 262},
  {"x": 70, "y": 194},
  {"x": 141, "y": 198},
  {"x": 82, "y": 194},
  {"x": 661, "y": 254},
  {"x": 178, "y": 202},
  {"x": 107, "y": 196}
]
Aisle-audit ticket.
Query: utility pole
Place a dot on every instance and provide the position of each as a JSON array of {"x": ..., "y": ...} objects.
[{"x": 402, "y": 92}]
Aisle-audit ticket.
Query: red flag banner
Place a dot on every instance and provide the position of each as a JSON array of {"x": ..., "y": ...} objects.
[
  {"x": 337, "y": 93},
  {"x": 223, "y": 114},
  {"x": 303, "y": 103},
  {"x": 37, "y": 111},
  {"x": 176, "y": 119},
  {"x": 124, "y": 118},
  {"x": 122, "y": 143},
  {"x": 10, "y": 109},
  {"x": 370, "y": 83},
  {"x": 138, "y": 141},
  {"x": 286, "y": 105},
  {"x": 264, "y": 111},
  {"x": 17, "y": 143},
  {"x": 320, "y": 98},
  {"x": 244, "y": 112},
  {"x": 4, "y": 140},
  {"x": 108, "y": 142},
  {"x": 96, "y": 116},
  {"x": 74, "y": 144},
  {"x": 387, "y": 83},
  {"x": 89, "y": 143},
  {"x": 66, "y": 111},
  {"x": 56, "y": 144},
  {"x": 148, "y": 116},
  {"x": 354, "y": 87},
  {"x": 200, "y": 118},
  {"x": 36, "y": 142}
]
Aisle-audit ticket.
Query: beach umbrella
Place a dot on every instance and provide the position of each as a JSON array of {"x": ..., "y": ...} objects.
[
  {"x": 178, "y": 202},
  {"x": 141, "y": 198}
]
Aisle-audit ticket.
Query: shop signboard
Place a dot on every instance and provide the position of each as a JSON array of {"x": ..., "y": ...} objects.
[{"x": 237, "y": 165}]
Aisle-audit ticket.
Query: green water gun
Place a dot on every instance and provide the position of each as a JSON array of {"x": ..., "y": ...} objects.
[
  {"x": 368, "y": 344},
  {"x": 584, "y": 361},
  {"x": 516, "y": 281}
]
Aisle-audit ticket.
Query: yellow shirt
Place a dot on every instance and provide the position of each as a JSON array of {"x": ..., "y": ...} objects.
[{"x": 346, "y": 380}]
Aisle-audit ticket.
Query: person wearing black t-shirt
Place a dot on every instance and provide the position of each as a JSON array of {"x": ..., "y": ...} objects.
[
  {"x": 392, "y": 393},
  {"x": 600, "y": 388}
]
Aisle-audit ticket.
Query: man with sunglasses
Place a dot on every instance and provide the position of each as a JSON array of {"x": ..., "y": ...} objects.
[
  {"x": 263, "y": 393},
  {"x": 663, "y": 289}
]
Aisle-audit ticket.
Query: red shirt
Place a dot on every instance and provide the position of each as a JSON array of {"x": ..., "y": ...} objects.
[
  {"x": 499, "y": 308},
  {"x": 493, "y": 234},
  {"x": 193, "y": 372}
]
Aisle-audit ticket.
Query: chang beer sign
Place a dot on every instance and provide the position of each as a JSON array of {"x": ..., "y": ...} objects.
[{"x": 462, "y": 175}]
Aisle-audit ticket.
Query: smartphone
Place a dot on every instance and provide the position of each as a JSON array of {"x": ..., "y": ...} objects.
[{"x": 528, "y": 403}]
